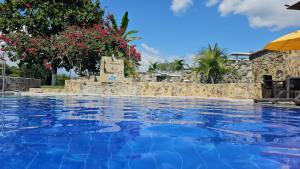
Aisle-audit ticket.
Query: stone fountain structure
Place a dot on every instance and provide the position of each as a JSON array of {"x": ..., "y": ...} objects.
[{"x": 111, "y": 70}]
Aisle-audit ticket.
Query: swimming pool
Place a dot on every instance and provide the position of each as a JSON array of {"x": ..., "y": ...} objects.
[{"x": 146, "y": 133}]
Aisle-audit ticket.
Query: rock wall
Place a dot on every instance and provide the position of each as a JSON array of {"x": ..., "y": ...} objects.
[
  {"x": 19, "y": 84},
  {"x": 230, "y": 90},
  {"x": 293, "y": 64},
  {"x": 242, "y": 72},
  {"x": 277, "y": 64}
]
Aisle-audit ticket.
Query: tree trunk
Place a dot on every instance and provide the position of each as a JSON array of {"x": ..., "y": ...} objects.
[{"x": 54, "y": 77}]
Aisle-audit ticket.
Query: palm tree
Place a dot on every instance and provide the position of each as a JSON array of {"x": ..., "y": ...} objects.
[
  {"x": 153, "y": 67},
  {"x": 178, "y": 64},
  {"x": 130, "y": 66},
  {"x": 211, "y": 63},
  {"x": 128, "y": 36}
]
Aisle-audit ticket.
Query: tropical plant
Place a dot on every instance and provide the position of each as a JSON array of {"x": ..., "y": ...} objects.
[
  {"x": 153, "y": 67},
  {"x": 130, "y": 68},
  {"x": 122, "y": 29},
  {"x": 211, "y": 64},
  {"x": 61, "y": 78},
  {"x": 178, "y": 64},
  {"x": 130, "y": 65}
]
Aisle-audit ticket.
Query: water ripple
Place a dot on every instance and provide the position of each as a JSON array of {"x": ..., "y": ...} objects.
[{"x": 135, "y": 133}]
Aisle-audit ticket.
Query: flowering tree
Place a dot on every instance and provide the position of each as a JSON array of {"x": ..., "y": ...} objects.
[
  {"x": 63, "y": 34},
  {"x": 76, "y": 48},
  {"x": 82, "y": 48},
  {"x": 44, "y": 20}
]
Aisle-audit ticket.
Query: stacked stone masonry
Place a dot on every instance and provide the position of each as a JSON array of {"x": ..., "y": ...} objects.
[
  {"x": 151, "y": 89},
  {"x": 277, "y": 64},
  {"x": 241, "y": 72}
]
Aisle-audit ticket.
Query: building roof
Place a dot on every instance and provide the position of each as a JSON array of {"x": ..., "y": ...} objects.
[
  {"x": 296, "y": 6},
  {"x": 240, "y": 54},
  {"x": 258, "y": 54}
]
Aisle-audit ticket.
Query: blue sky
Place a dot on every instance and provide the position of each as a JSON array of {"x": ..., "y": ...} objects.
[{"x": 180, "y": 28}]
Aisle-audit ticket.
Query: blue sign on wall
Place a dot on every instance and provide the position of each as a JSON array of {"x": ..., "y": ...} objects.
[{"x": 112, "y": 78}]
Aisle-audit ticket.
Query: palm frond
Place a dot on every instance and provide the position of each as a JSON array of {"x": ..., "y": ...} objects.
[
  {"x": 125, "y": 22},
  {"x": 114, "y": 23},
  {"x": 131, "y": 32}
]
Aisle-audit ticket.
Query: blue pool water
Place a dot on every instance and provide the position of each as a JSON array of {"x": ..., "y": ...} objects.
[{"x": 146, "y": 133}]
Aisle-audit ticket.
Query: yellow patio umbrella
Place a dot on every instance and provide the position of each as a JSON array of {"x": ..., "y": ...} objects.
[{"x": 286, "y": 43}]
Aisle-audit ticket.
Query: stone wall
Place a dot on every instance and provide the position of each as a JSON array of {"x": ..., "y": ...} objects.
[
  {"x": 20, "y": 84},
  {"x": 230, "y": 90},
  {"x": 293, "y": 64},
  {"x": 242, "y": 72},
  {"x": 277, "y": 64}
]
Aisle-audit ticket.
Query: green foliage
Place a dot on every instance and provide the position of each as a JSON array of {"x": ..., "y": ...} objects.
[
  {"x": 122, "y": 29},
  {"x": 13, "y": 71},
  {"x": 153, "y": 67},
  {"x": 176, "y": 65},
  {"x": 61, "y": 79},
  {"x": 124, "y": 23},
  {"x": 47, "y": 17},
  {"x": 8, "y": 71},
  {"x": 130, "y": 68},
  {"x": 211, "y": 64},
  {"x": 35, "y": 71}
]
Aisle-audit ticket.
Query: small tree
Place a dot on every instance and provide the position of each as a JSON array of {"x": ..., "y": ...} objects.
[
  {"x": 211, "y": 64},
  {"x": 82, "y": 48}
]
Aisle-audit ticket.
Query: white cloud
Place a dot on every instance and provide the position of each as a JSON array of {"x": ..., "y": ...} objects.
[
  {"x": 149, "y": 55},
  {"x": 7, "y": 60},
  {"x": 260, "y": 13},
  {"x": 179, "y": 6},
  {"x": 189, "y": 59},
  {"x": 149, "y": 49},
  {"x": 212, "y": 2}
]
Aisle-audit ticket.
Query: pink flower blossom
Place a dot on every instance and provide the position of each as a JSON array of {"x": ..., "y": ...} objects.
[
  {"x": 103, "y": 32},
  {"x": 4, "y": 38},
  {"x": 27, "y": 5},
  {"x": 47, "y": 65},
  {"x": 98, "y": 37},
  {"x": 32, "y": 50}
]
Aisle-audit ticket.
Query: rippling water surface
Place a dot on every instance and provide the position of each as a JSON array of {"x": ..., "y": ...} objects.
[{"x": 146, "y": 133}]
